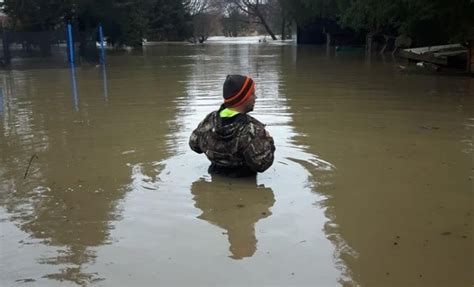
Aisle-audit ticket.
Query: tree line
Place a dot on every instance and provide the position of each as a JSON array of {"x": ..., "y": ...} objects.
[
  {"x": 424, "y": 22},
  {"x": 128, "y": 22}
]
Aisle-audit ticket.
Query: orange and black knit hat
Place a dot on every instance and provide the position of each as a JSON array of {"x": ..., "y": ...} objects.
[{"x": 237, "y": 90}]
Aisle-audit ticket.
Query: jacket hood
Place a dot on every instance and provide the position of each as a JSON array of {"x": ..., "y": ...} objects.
[{"x": 227, "y": 128}]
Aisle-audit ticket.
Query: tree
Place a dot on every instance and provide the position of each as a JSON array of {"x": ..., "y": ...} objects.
[
  {"x": 426, "y": 21},
  {"x": 255, "y": 8},
  {"x": 285, "y": 18},
  {"x": 436, "y": 21},
  {"x": 170, "y": 20},
  {"x": 205, "y": 16},
  {"x": 233, "y": 21},
  {"x": 307, "y": 11},
  {"x": 36, "y": 15},
  {"x": 373, "y": 16},
  {"x": 317, "y": 13},
  {"x": 133, "y": 21},
  {"x": 275, "y": 16}
]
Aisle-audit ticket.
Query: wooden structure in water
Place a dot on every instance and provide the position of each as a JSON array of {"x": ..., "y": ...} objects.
[
  {"x": 444, "y": 55},
  {"x": 455, "y": 55}
]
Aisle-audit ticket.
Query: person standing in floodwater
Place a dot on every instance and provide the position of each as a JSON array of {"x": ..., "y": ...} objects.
[{"x": 236, "y": 144}]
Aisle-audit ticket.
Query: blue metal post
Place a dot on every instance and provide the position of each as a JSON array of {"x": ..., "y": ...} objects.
[
  {"x": 102, "y": 49},
  {"x": 104, "y": 81},
  {"x": 75, "y": 95},
  {"x": 70, "y": 43}
]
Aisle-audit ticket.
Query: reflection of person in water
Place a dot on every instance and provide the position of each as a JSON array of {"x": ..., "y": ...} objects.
[{"x": 234, "y": 206}]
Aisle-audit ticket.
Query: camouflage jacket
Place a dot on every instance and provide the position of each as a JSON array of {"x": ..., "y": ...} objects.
[{"x": 240, "y": 142}]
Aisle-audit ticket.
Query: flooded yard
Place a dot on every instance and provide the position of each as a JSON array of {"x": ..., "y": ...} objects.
[{"x": 372, "y": 182}]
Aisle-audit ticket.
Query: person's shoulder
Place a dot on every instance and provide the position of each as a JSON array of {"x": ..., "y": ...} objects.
[
  {"x": 210, "y": 116},
  {"x": 208, "y": 122},
  {"x": 253, "y": 121},
  {"x": 254, "y": 126}
]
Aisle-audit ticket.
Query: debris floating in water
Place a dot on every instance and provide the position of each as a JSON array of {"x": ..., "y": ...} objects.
[{"x": 29, "y": 164}]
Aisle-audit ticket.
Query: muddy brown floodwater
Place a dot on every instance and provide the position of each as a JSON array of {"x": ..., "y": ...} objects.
[{"x": 372, "y": 184}]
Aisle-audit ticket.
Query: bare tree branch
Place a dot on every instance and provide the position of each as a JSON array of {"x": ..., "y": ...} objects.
[
  {"x": 250, "y": 5},
  {"x": 240, "y": 6},
  {"x": 253, "y": 8}
]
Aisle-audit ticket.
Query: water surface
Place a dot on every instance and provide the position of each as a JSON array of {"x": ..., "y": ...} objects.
[{"x": 371, "y": 184}]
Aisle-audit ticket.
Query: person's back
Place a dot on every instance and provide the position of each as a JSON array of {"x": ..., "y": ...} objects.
[{"x": 236, "y": 143}]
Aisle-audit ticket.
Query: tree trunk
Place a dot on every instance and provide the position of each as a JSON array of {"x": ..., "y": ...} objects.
[
  {"x": 328, "y": 39},
  {"x": 283, "y": 24},
  {"x": 82, "y": 44},
  {"x": 386, "y": 39},
  {"x": 289, "y": 28},
  {"x": 265, "y": 24},
  {"x": 368, "y": 41},
  {"x": 6, "y": 47},
  {"x": 395, "y": 50},
  {"x": 470, "y": 49}
]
